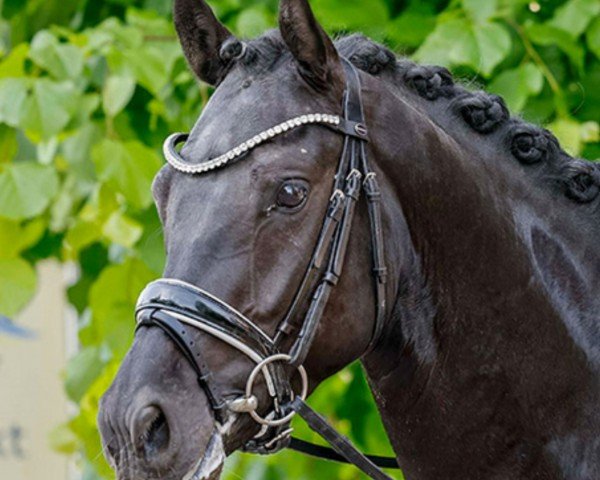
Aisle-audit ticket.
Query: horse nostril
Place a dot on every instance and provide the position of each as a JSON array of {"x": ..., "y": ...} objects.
[{"x": 151, "y": 431}]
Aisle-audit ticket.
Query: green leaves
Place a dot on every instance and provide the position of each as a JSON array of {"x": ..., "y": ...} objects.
[
  {"x": 593, "y": 37},
  {"x": 410, "y": 29},
  {"x": 363, "y": 15},
  {"x": 17, "y": 285},
  {"x": 573, "y": 135},
  {"x": 493, "y": 42},
  {"x": 16, "y": 236},
  {"x": 83, "y": 369},
  {"x": 575, "y": 15},
  {"x": 13, "y": 93},
  {"x": 48, "y": 109},
  {"x": 60, "y": 60},
  {"x": 550, "y": 36},
  {"x": 459, "y": 41},
  {"x": 254, "y": 20},
  {"x": 117, "y": 93},
  {"x": 122, "y": 230},
  {"x": 112, "y": 301},
  {"x": 94, "y": 105},
  {"x": 480, "y": 12},
  {"x": 127, "y": 167},
  {"x": 518, "y": 84},
  {"x": 26, "y": 189}
]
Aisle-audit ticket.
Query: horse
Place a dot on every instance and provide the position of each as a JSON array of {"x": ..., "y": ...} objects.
[{"x": 470, "y": 267}]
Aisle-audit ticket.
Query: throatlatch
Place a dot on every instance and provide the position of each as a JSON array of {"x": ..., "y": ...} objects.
[{"x": 174, "y": 306}]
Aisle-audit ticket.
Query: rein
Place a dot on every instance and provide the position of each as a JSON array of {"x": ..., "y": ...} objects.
[{"x": 176, "y": 307}]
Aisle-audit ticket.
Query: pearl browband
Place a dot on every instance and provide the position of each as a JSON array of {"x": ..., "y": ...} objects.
[{"x": 176, "y": 161}]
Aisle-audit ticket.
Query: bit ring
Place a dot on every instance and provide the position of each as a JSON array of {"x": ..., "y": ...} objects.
[{"x": 280, "y": 357}]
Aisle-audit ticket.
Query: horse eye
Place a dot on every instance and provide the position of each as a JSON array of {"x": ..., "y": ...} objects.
[{"x": 292, "y": 194}]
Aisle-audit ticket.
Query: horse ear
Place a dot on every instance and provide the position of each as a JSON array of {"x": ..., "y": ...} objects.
[
  {"x": 317, "y": 58},
  {"x": 202, "y": 36}
]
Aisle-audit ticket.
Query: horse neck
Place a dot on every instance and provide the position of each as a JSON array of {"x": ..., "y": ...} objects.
[{"x": 473, "y": 327}]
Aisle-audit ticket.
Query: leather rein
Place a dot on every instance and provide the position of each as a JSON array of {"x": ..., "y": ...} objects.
[{"x": 179, "y": 308}]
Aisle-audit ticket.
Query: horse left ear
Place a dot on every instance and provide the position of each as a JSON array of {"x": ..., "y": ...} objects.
[
  {"x": 203, "y": 38},
  {"x": 317, "y": 58}
]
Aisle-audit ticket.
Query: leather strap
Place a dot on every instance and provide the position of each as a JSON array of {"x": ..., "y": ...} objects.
[
  {"x": 326, "y": 453},
  {"x": 340, "y": 444}
]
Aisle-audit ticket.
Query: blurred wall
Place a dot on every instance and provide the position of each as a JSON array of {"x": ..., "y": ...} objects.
[{"x": 32, "y": 399}]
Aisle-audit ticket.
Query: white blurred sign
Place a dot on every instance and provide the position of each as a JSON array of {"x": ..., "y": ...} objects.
[{"x": 32, "y": 401}]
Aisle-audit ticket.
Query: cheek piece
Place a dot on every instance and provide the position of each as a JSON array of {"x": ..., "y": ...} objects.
[{"x": 180, "y": 309}]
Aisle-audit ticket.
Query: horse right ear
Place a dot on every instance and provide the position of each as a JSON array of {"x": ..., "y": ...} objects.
[
  {"x": 202, "y": 38},
  {"x": 314, "y": 52}
]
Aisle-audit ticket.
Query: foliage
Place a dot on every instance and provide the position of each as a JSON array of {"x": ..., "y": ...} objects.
[{"x": 88, "y": 91}]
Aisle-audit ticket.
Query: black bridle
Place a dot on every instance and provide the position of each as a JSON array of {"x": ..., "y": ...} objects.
[{"x": 176, "y": 307}]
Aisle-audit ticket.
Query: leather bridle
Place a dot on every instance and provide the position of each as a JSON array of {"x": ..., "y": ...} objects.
[{"x": 176, "y": 307}]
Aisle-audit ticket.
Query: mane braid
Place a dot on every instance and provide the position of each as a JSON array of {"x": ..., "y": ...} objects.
[{"x": 484, "y": 113}]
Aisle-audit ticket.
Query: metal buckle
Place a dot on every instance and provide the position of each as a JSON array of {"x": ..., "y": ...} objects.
[
  {"x": 337, "y": 195},
  {"x": 361, "y": 129},
  {"x": 368, "y": 177},
  {"x": 249, "y": 403}
]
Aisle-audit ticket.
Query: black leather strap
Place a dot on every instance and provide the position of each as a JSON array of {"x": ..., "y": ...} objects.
[
  {"x": 340, "y": 444},
  {"x": 352, "y": 167},
  {"x": 327, "y": 453}
]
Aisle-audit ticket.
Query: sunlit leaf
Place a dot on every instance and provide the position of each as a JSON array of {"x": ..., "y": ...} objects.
[
  {"x": 49, "y": 108},
  {"x": 61, "y": 60},
  {"x": 117, "y": 93},
  {"x": 13, "y": 65},
  {"x": 575, "y": 15},
  {"x": 122, "y": 230},
  {"x": 13, "y": 93},
  {"x": 480, "y": 11},
  {"x": 593, "y": 37},
  {"x": 82, "y": 371},
  {"x": 26, "y": 189},
  {"x": 494, "y": 45},
  {"x": 16, "y": 236},
  {"x": 518, "y": 84},
  {"x": 17, "y": 285},
  {"x": 457, "y": 41},
  {"x": 62, "y": 439},
  {"x": 9, "y": 145},
  {"x": 367, "y": 15},
  {"x": 129, "y": 168},
  {"x": 112, "y": 300},
  {"x": 573, "y": 135}
]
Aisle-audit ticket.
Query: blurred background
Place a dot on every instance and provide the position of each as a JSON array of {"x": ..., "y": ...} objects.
[{"x": 89, "y": 89}]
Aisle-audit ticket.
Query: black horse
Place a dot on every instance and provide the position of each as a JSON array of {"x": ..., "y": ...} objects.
[{"x": 487, "y": 365}]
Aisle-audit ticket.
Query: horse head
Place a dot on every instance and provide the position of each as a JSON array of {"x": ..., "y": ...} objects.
[{"x": 468, "y": 245}]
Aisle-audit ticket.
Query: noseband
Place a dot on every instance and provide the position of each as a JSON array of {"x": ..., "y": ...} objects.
[{"x": 177, "y": 307}]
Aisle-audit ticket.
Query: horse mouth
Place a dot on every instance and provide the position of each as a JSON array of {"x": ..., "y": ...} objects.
[{"x": 210, "y": 466}]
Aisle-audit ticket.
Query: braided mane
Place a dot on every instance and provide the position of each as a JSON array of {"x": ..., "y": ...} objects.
[{"x": 484, "y": 113}]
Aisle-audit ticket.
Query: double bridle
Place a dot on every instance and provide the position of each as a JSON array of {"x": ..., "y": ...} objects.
[{"x": 175, "y": 306}]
